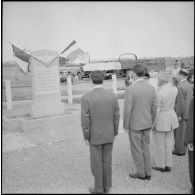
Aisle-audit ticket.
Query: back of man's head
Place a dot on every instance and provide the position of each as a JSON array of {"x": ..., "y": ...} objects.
[
  {"x": 97, "y": 77},
  {"x": 139, "y": 70}
]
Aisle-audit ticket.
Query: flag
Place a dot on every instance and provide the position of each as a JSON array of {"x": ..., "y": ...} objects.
[
  {"x": 24, "y": 66},
  {"x": 62, "y": 61},
  {"x": 72, "y": 52},
  {"x": 63, "y": 55},
  {"x": 21, "y": 58},
  {"x": 83, "y": 58},
  {"x": 21, "y": 54}
]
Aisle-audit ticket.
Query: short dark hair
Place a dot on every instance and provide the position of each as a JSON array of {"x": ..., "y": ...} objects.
[
  {"x": 147, "y": 75},
  {"x": 183, "y": 72},
  {"x": 97, "y": 77},
  {"x": 139, "y": 70}
]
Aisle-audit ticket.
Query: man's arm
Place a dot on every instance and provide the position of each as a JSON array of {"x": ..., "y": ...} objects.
[
  {"x": 179, "y": 103},
  {"x": 189, "y": 95},
  {"x": 116, "y": 117},
  {"x": 189, "y": 133},
  {"x": 154, "y": 106},
  {"x": 128, "y": 100},
  {"x": 85, "y": 118}
]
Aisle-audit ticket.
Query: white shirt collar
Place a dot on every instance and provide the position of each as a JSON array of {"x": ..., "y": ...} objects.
[
  {"x": 182, "y": 80},
  {"x": 138, "y": 80},
  {"x": 97, "y": 86}
]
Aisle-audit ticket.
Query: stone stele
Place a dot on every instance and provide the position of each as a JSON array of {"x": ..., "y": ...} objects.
[{"x": 45, "y": 84}]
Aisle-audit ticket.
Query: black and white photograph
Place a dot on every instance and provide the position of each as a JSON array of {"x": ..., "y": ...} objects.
[{"x": 97, "y": 97}]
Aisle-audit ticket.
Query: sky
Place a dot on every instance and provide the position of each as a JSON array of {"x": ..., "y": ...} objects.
[{"x": 105, "y": 29}]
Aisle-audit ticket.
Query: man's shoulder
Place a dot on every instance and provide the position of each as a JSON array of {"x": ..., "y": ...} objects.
[
  {"x": 130, "y": 88},
  {"x": 185, "y": 85},
  {"x": 85, "y": 96},
  {"x": 145, "y": 84},
  {"x": 93, "y": 93},
  {"x": 168, "y": 88},
  {"x": 109, "y": 93}
]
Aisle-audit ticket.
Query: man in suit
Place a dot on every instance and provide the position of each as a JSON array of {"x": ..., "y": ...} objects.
[
  {"x": 140, "y": 108},
  {"x": 189, "y": 142},
  {"x": 100, "y": 120},
  {"x": 185, "y": 92}
]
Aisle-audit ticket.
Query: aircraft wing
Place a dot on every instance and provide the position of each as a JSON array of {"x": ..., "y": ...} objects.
[{"x": 102, "y": 66}]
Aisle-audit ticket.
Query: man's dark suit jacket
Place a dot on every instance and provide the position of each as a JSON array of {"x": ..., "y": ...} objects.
[
  {"x": 185, "y": 93},
  {"x": 189, "y": 134},
  {"x": 99, "y": 116}
]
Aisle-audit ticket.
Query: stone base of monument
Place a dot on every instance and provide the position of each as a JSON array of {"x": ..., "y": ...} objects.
[{"x": 47, "y": 105}]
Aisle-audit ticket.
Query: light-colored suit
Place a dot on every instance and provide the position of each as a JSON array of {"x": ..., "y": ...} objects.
[
  {"x": 165, "y": 124},
  {"x": 140, "y": 108},
  {"x": 154, "y": 82},
  {"x": 166, "y": 117},
  {"x": 100, "y": 120}
]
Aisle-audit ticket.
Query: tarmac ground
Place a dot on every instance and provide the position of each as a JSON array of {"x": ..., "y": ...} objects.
[{"x": 48, "y": 161}]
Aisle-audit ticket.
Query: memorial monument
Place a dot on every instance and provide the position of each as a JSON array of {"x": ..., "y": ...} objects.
[{"x": 45, "y": 84}]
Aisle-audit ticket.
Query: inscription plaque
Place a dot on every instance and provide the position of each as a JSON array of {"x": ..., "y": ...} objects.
[{"x": 46, "y": 79}]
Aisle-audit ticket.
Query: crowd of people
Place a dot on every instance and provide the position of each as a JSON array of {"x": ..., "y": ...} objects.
[{"x": 157, "y": 106}]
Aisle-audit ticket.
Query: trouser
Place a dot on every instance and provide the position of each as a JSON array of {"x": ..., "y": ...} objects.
[
  {"x": 163, "y": 144},
  {"x": 101, "y": 166},
  {"x": 191, "y": 167},
  {"x": 179, "y": 135},
  {"x": 140, "y": 150}
]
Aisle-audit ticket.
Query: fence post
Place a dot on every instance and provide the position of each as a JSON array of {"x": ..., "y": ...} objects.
[
  {"x": 8, "y": 94},
  {"x": 69, "y": 89},
  {"x": 114, "y": 84}
]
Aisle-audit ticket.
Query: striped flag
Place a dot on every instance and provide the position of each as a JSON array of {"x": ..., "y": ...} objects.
[
  {"x": 73, "y": 53},
  {"x": 82, "y": 58},
  {"x": 22, "y": 58}
]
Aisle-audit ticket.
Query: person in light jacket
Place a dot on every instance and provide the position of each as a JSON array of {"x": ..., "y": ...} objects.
[{"x": 165, "y": 123}]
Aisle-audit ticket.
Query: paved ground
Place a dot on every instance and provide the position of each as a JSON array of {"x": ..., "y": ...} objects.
[{"x": 58, "y": 162}]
